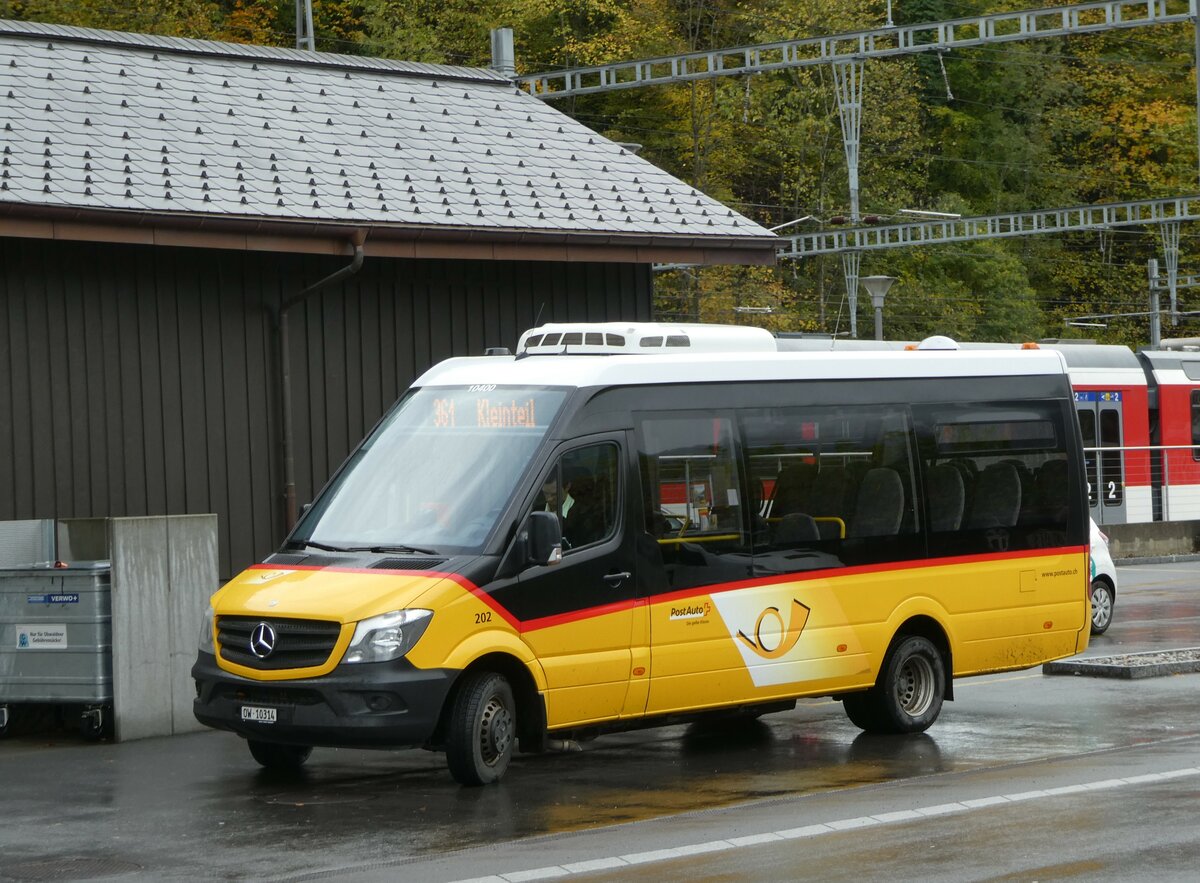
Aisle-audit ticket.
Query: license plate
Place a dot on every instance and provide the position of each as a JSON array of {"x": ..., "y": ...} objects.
[{"x": 258, "y": 714}]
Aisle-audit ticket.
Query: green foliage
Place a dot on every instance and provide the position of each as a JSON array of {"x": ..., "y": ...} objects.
[{"x": 1025, "y": 125}]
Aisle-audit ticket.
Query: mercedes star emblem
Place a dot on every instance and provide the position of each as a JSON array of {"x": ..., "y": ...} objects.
[{"x": 262, "y": 640}]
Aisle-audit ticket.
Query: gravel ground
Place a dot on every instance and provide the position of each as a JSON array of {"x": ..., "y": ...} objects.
[
  {"x": 1130, "y": 666},
  {"x": 1159, "y": 657}
]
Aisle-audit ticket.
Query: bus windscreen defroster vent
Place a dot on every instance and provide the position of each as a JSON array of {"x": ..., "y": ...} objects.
[{"x": 407, "y": 563}]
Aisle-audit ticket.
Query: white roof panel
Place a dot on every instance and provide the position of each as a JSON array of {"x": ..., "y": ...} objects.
[{"x": 629, "y": 370}]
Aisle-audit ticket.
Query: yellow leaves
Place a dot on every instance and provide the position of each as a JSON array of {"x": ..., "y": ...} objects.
[
  {"x": 1136, "y": 141},
  {"x": 251, "y": 21},
  {"x": 731, "y": 295}
]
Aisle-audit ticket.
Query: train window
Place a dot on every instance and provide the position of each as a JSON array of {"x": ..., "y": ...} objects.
[
  {"x": 1112, "y": 480},
  {"x": 693, "y": 498},
  {"x": 1196, "y": 423},
  {"x": 1087, "y": 425}
]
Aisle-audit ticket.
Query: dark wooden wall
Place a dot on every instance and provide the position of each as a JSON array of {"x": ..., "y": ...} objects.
[{"x": 144, "y": 381}]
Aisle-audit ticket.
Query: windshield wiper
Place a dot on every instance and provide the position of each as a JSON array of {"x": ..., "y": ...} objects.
[
  {"x": 419, "y": 549},
  {"x": 316, "y": 545}
]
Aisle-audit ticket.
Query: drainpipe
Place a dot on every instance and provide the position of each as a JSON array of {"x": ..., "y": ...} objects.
[{"x": 280, "y": 318}]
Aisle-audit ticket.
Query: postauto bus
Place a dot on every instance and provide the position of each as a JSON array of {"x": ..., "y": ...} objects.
[{"x": 630, "y": 525}]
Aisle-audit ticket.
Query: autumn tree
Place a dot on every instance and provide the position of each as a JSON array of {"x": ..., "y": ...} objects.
[{"x": 994, "y": 129}]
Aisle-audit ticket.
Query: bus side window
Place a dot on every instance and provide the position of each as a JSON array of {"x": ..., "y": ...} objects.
[
  {"x": 839, "y": 486},
  {"x": 996, "y": 477},
  {"x": 693, "y": 498},
  {"x": 586, "y": 494}
]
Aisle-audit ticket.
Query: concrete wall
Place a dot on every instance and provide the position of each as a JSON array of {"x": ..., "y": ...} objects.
[
  {"x": 1153, "y": 539},
  {"x": 163, "y": 571}
]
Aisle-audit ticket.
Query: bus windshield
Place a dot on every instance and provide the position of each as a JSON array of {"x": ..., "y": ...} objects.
[{"x": 436, "y": 473}]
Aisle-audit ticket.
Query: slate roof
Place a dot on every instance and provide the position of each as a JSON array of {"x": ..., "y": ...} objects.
[{"x": 112, "y": 121}]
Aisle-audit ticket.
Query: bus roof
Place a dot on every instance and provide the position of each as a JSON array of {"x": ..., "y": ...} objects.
[
  {"x": 1088, "y": 364},
  {"x": 636, "y": 370}
]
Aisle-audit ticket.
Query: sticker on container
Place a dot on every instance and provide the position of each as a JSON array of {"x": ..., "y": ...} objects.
[
  {"x": 69, "y": 598},
  {"x": 42, "y": 637}
]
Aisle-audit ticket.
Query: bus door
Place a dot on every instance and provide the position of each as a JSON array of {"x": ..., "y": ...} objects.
[
  {"x": 582, "y": 617},
  {"x": 1101, "y": 422},
  {"x": 697, "y": 518}
]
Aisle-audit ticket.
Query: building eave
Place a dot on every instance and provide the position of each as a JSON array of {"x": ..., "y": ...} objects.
[{"x": 24, "y": 221}]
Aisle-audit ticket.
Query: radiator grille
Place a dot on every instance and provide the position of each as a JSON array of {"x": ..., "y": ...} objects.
[{"x": 299, "y": 643}]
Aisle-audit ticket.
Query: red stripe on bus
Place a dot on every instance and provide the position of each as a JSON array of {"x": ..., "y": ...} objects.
[
  {"x": 545, "y": 622},
  {"x": 556, "y": 619},
  {"x": 831, "y": 572}
]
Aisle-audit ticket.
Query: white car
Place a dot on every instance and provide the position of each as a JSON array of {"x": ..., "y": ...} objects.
[{"x": 1104, "y": 583}]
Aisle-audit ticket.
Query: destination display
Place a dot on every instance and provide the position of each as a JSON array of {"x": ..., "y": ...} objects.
[{"x": 489, "y": 407}]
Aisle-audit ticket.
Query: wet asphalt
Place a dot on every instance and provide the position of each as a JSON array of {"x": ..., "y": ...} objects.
[{"x": 198, "y": 806}]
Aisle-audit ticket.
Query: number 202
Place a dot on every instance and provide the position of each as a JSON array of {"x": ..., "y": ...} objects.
[{"x": 483, "y": 617}]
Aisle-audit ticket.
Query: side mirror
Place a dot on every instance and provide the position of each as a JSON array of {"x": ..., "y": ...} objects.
[{"x": 543, "y": 538}]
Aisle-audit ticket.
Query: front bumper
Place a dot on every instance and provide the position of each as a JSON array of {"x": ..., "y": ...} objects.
[{"x": 374, "y": 705}]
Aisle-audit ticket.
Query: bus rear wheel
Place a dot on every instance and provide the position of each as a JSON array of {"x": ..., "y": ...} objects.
[
  {"x": 907, "y": 698},
  {"x": 482, "y": 729}
]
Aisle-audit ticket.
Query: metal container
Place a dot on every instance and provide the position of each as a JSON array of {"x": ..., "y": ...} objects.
[
  {"x": 56, "y": 639},
  {"x": 27, "y": 543}
]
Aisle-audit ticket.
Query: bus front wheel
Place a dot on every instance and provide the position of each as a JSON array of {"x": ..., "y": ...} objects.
[
  {"x": 483, "y": 726},
  {"x": 273, "y": 756},
  {"x": 907, "y": 698}
]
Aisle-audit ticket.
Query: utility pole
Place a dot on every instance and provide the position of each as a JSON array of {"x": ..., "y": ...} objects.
[
  {"x": 848, "y": 82},
  {"x": 304, "y": 26},
  {"x": 1170, "y": 238},
  {"x": 1195, "y": 9},
  {"x": 1155, "y": 315}
]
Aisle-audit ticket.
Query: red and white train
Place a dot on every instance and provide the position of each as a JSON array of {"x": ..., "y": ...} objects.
[{"x": 1144, "y": 406}]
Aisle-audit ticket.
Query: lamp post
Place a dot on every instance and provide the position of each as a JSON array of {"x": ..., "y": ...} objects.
[{"x": 877, "y": 287}]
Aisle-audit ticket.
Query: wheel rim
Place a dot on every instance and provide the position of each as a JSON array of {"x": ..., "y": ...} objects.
[
  {"x": 495, "y": 731},
  {"x": 915, "y": 686},
  {"x": 1101, "y": 605}
]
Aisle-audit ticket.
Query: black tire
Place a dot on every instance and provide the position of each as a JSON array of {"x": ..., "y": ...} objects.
[
  {"x": 6, "y": 718},
  {"x": 860, "y": 708},
  {"x": 907, "y": 697},
  {"x": 482, "y": 729},
  {"x": 274, "y": 756},
  {"x": 1103, "y": 602}
]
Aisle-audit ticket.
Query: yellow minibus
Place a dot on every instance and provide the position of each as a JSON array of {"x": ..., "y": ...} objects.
[{"x": 627, "y": 525}]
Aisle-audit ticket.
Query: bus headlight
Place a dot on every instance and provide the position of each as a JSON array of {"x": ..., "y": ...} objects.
[
  {"x": 387, "y": 636},
  {"x": 206, "y": 631}
]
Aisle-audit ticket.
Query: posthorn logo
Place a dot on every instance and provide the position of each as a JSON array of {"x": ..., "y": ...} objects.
[{"x": 771, "y": 638}]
